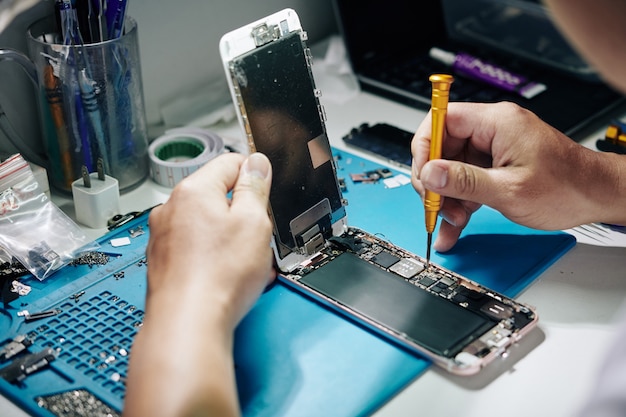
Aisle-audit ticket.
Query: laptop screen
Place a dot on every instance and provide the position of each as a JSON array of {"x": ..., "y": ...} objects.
[{"x": 375, "y": 30}]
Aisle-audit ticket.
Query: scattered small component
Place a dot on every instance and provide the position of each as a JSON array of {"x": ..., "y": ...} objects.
[
  {"x": 119, "y": 220},
  {"x": 10, "y": 289},
  {"x": 371, "y": 176},
  {"x": 365, "y": 177},
  {"x": 115, "y": 377},
  {"x": 118, "y": 275},
  {"x": 75, "y": 403},
  {"x": 15, "y": 346},
  {"x": 24, "y": 366},
  {"x": 37, "y": 316},
  {"x": 91, "y": 258},
  {"x": 12, "y": 270},
  {"x": 356, "y": 178},
  {"x": 77, "y": 296},
  {"x": 19, "y": 288},
  {"x": 42, "y": 328},
  {"x": 6, "y": 292},
  {"x": 384, "y": 172},
  {"x": 138, "y": 231}
]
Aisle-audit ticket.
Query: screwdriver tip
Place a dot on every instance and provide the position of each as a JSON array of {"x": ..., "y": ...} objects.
[{"x": 430, "y": 241}]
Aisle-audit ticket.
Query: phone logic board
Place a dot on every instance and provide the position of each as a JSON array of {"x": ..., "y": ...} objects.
[{"x": 452, "y": 317}]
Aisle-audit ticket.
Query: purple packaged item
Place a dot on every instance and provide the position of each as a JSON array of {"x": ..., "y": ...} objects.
[{"x": 498, "y": 77}]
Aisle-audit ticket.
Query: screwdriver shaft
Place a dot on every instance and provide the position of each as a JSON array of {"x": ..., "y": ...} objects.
[{"x": 439, "y": 107}]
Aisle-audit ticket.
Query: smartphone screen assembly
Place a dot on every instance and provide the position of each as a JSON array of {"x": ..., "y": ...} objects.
[
  {"x": 455, "y": 322},
  {"x": 279, "y": 108}
]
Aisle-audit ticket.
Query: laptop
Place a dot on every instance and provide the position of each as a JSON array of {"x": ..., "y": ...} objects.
[{"x": 388, "y": 44}]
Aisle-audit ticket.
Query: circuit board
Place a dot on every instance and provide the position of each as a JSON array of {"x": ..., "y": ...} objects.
[{"x": 382, "y": 284}]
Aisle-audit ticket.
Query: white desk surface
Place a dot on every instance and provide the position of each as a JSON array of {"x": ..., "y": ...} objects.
[{"x": 549, "y": 373}]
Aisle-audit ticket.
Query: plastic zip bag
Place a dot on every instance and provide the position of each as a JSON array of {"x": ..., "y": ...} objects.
[{"x": 32, "y": 228}]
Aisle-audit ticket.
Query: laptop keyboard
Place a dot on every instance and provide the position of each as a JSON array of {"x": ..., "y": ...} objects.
[{"x": 412, "y": 76}]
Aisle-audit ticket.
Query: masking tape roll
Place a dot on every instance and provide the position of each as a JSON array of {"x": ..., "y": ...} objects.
[{"x": 180, "y": 152}]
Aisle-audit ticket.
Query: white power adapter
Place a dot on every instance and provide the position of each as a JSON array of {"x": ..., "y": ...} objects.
[{"x": 96, "y": 198}]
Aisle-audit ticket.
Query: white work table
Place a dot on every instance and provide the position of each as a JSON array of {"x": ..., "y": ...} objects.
[{"x": 549, "y": 374}]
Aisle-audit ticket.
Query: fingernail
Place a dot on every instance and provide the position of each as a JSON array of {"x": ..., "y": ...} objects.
[
  {"x": 257, "y": 165},
  {"x": 434, "y": 177},
  {"x": 448, "y": 219},
  {"x": 414, "y": 169}
]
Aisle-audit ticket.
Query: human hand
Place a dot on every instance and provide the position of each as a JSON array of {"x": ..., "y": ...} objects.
[
  {"x": 504, "y": 156},
  {"x": 209, "y": 259},
  {"x": 208, "y": 249}
]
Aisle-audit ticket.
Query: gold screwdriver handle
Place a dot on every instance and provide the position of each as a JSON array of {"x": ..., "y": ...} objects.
[{"x": 439, "y": 107}]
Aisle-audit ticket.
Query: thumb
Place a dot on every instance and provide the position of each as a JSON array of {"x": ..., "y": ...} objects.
[
  {"x": 458, "y": 180},
  {"x": 255, "y": 179}
]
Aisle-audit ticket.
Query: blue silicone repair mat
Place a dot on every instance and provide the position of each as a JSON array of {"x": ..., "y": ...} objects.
[{"x": 292, "y": 356}]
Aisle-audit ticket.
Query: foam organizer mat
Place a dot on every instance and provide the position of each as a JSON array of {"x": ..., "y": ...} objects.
[
  {"x": 65, "y": 345},
  {"x": 96, "y": 306}
]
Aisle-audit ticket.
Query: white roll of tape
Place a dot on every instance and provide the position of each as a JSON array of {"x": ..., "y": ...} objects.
[{"x": 180, "y": 152}]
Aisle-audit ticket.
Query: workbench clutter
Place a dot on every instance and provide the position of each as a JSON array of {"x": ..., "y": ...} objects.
[
  {"x": 614, "y": 139},
  {"x": 182, "y": 151},
  {"x": 88, "y": 76},
  {"x": 34, "y": 230}
]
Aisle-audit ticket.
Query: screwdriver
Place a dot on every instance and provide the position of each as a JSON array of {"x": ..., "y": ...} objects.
[{"x": 439, "y": 107}]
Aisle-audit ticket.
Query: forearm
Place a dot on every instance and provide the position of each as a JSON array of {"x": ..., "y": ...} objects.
[{"x": 190, "y": 371}]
